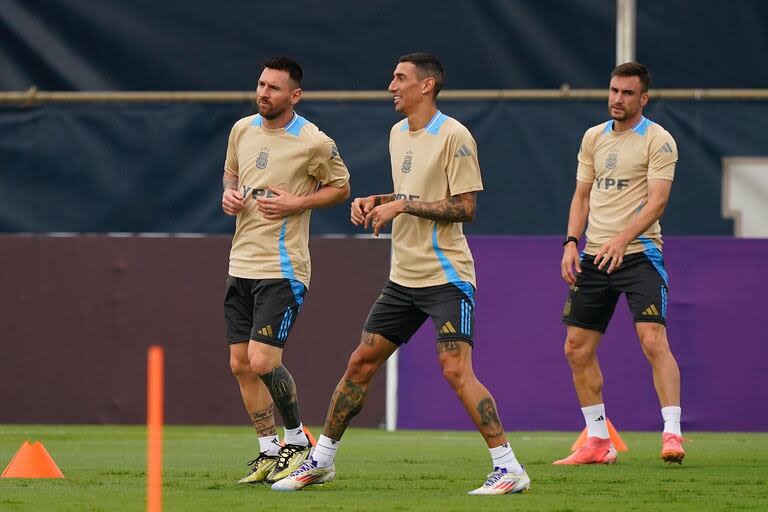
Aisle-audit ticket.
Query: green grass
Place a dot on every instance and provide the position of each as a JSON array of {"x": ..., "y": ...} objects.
[{"x": 402, "y": 471}]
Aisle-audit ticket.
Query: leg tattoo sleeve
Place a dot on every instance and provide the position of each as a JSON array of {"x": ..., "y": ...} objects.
[
  {"x": 283, "y": 390},
  {"x": 347, "y": 401},
  {"x": 490, "y": 425}
]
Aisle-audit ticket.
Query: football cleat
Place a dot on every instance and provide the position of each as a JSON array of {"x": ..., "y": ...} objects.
[
  {"x": 595, "y": 451},
  {"x": 672, "y": 448},
  {"x": 500, "y": 481},
  {"x": 307, "y": 474},
  {"x": 261, "y": 466},
  {"x": 289, "y": 459}
]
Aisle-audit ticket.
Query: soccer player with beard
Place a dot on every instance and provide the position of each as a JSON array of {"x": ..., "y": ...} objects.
[
  {"x": 624, "y": 177},
  {"x": 278, "y": 167}
]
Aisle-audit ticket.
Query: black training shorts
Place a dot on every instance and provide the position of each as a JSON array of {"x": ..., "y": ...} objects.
[
  {"x": 641, "y": 277},
  {"x": 262, "y": 309},
  {"x": 399, "y": 311}
]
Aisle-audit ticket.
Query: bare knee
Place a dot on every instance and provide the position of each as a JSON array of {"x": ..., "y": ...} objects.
[
  {"x": 456, "y": 370},
  {"x": 578, "y": 350},
  {"x": 654, "y": 342},
  {"x": 240, "y": 366},
  {"x": 262, "y": 366},
  {"x": 455, "y": 376},
  {"x": 360, "y": 368}
]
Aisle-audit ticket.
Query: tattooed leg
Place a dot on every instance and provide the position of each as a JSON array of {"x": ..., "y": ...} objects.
[
  {"x": 281, "y": 386},
  {"x": 347, "y": 402},
  {"x": 264, "y": 422},
  {"x": 456, "y": 361},
  {"x": 352, "y": 390}
]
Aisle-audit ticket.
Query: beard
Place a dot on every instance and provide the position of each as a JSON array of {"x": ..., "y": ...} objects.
[
  {"x": 270, "y": 112},
  {"x": 619, "y": 117}
]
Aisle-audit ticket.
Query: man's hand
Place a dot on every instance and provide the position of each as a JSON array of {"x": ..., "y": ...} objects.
[
  {"x": 232, "y": 202},
  {"x": 612, "y": 251},
  {"x": 383, "y": 214},
  {"x": 571, "y": 260},
  {"x": 360, "y": 208},
  {"x": 281, "y": 204}
]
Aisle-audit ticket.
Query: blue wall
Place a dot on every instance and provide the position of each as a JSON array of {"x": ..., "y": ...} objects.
[
  {"x": 157, "y": 168},
  {"x": 348, "y": 44}
]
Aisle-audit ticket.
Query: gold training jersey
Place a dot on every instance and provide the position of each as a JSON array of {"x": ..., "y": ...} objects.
[
  {"x": 619, "y": 165},
  {"x": 298, "y": 158},
  {"x": 432, "y": 164}
]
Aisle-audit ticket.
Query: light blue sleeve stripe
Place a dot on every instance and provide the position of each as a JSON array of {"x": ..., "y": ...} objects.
[{"x": 450, "y": 272}]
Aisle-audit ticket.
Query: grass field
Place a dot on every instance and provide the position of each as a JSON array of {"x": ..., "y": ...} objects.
[{"x": 402, "y": 471}]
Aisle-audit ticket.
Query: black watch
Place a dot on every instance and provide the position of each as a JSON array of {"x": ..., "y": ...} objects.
[{"x": 571, "y": 239}]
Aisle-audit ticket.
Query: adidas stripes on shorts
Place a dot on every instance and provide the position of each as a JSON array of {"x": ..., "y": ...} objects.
[
  {"x": 641, "y": 277},
  {"x": 261, "y": 309},
  {"x": 400, "y": 311}
]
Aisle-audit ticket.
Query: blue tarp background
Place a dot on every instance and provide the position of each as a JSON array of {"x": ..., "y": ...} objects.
[{"x": 157, "y": 168}]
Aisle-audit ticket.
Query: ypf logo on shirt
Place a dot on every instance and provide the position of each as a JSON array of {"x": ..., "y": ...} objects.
[
  {"x": 407, "y": 162},
  {"x": 263, "y": 159}
]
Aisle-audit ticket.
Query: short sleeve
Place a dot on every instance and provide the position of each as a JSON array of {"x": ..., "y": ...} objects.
[
  {"x": 231, "y": 164},
  {"x": 585, "y": 171},
  {"x": 662, "y": 157},
  {"x": 327, "y": 166},
  {"x": 463, "y": 169}
]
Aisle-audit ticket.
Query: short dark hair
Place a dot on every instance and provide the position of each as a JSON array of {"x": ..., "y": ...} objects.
[
  {"x": 427, "y": 65},
  {"x": 286, "y": 64},
  {"x": 634, "y": 69}
]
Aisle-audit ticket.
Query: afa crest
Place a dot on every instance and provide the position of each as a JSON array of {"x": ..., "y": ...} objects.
[
  {"x": 610, "y": 162},
  {"x": 263, "y": 159},
  {"x": 407, "y": 162}
]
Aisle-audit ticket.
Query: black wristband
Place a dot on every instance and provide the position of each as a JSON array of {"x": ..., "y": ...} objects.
[{"x": 571, "y": 239}]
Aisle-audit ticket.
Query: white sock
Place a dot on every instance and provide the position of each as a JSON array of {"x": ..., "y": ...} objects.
[
  {"x": 504, "y": 457},
  {"x": 594, "y": 417},
  {"x": 269, "y": 445},
  {"x": 325, "y": 451},
  {"x": 296, "y": 436},
  {"x": 671, "y": 415}
]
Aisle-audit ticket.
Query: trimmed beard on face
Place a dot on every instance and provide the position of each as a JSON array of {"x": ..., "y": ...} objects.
[
  {"x": 623, "y": 117},
  {"x": 274, "y": 114}
]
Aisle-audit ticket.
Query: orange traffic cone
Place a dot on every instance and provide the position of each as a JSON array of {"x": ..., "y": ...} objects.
[
  {"x": 32, "y": 461},
  {"x": 616, "y": 439},
  {"x": 309, "y": 435}
]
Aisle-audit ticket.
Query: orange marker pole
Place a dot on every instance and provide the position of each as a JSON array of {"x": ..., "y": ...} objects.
[{"x": 155, "y": 429}]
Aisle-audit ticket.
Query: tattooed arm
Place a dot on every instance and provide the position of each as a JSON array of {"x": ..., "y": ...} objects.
[
  {"x": 383, "y": 199},
  {"x": 458, "y": 208},
  {"x": 232, "y": 200},
  {"x": 230, "y": 181}
]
